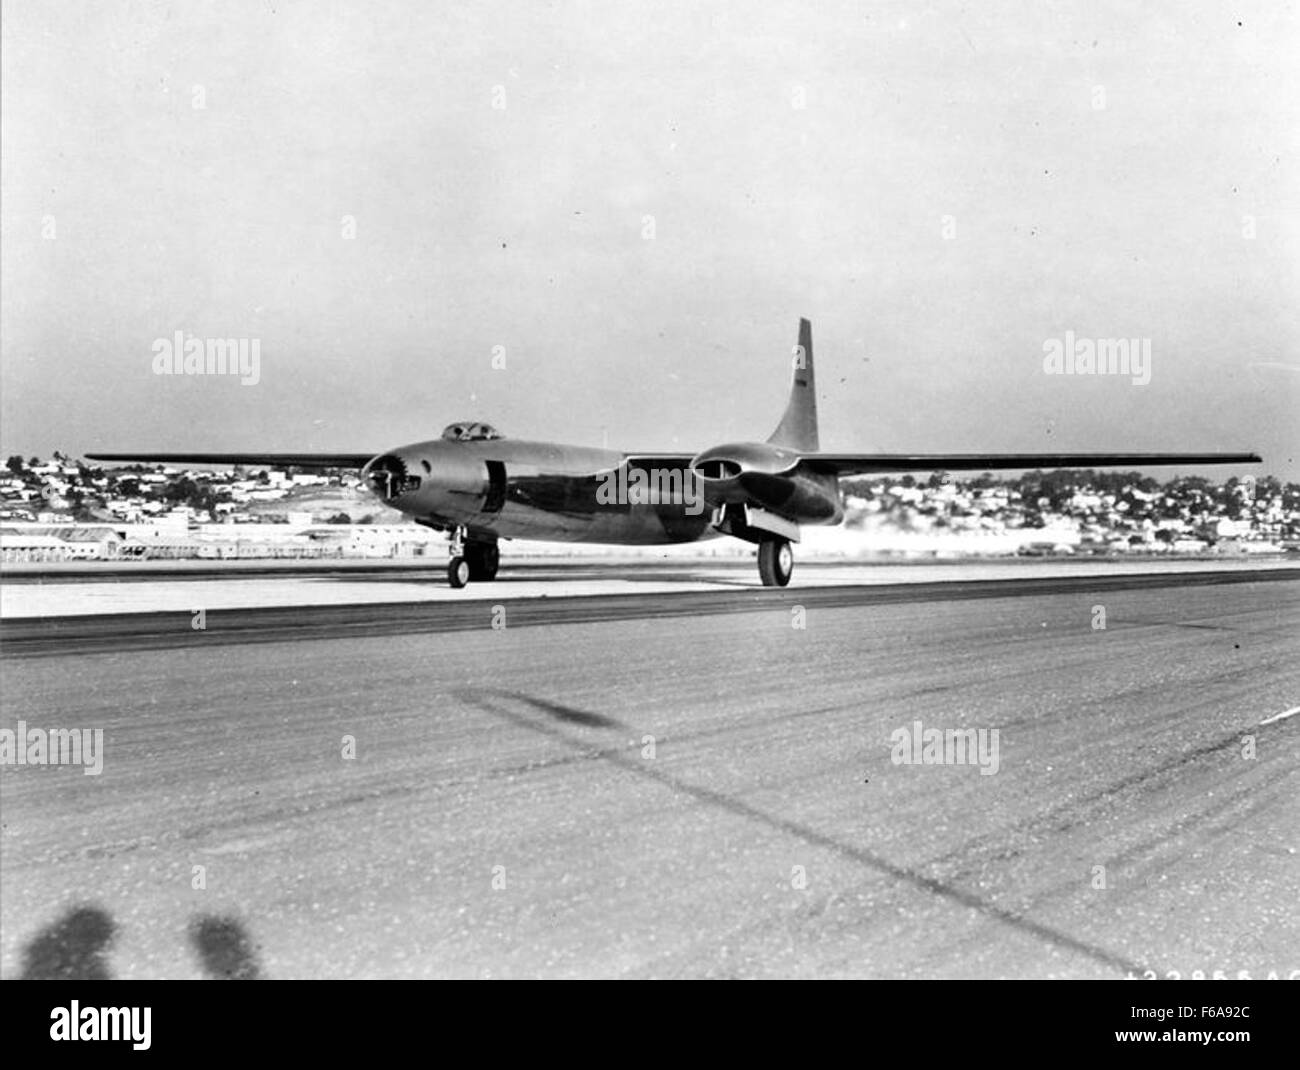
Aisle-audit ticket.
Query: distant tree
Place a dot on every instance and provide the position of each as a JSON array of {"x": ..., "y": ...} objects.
[
  {"x": 180, "y": 490},
  {"x": 32, "y": 462},
  {"x": 339, "y": 518},
  {"x": 203, "y": 500},
  {"x": 15, "y": 465},
  {"x": 860, "y": 488}
]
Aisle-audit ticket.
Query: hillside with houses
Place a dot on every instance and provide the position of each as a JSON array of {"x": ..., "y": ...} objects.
[{"x": 63, "y": 508}]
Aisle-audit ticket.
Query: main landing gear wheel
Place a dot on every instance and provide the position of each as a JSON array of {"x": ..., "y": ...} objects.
[
  {"x": 484, "y": 558},
  {"x": 775, "y": 562},
  {"x": 458, "y": 572}
]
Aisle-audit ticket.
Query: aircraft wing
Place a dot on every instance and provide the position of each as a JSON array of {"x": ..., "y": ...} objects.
[
  {"x": 248, "y": 460},
  {"x": 854, "y": 464}
]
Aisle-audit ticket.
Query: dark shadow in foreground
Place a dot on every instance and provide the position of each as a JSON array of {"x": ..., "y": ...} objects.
[
  {"x": 72, "y": 949},
  {"x": 225, "y": 949}
]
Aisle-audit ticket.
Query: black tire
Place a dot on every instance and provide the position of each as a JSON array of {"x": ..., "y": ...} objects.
[
  {"x": 775, "y": 562},
  {"x": 458, "y": 572},
  {"x": 484, "y": 559}
]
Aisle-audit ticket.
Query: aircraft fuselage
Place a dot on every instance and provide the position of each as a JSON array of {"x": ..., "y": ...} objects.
[{"x": 514, "y": 488}]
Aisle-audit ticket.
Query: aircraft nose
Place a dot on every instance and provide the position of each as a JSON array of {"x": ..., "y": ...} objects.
[{"x": 389, "y": 476}]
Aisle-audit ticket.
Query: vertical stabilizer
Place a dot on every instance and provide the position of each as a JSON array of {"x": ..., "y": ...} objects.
[{"x": 798, "y": 427}]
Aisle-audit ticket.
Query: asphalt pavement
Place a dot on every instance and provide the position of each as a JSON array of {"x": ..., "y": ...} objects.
[{"x": 655, "y": 787}]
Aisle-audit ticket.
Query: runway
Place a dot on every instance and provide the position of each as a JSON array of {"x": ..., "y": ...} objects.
[
  {"x": 498, "y": 606},
  {"x": 184, "y": 587},
  {"x": 655, "y": 786}
]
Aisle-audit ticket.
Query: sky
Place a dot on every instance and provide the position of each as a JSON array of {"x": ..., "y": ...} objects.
[{"x": 600, "y": 223}]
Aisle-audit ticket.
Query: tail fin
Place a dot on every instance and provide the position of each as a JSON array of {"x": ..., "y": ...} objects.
[{"x": 798, "y": 427}]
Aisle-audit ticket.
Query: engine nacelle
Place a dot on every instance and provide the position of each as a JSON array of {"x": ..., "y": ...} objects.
[
  {"x": 770, "y": 476},
  {"x": 721, "y": 467}
]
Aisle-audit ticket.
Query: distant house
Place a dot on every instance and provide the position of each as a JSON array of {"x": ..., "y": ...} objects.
[
  {"x": 52, "y": 542},
  {"x": 1228, "y": 529},
  {"x": 166, "y": 547},
  {"x": 16, "y": 548}
]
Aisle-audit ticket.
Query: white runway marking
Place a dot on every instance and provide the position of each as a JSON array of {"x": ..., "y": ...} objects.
[{"x": 1282, "y": 716}]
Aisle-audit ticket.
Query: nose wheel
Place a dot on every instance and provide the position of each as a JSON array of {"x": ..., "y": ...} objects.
[
  {"x": 458, "y": 571},
  {"x": 775, "y": 562},
  {"x": 472, "y": 559}
]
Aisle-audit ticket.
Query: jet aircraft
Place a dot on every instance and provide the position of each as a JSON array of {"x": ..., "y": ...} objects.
[{"x": 479, "y": 486}]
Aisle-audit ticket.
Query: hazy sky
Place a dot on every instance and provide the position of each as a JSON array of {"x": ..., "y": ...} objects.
[{"x": 1101, "y": 168}]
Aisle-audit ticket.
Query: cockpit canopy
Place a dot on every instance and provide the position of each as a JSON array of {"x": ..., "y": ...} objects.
[{"x": 470, "y": 431}]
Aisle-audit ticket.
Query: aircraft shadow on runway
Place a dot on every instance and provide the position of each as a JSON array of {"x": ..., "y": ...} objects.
[
  {"x": 504, "y": 579},
  {"x": 75, "y": 948}
]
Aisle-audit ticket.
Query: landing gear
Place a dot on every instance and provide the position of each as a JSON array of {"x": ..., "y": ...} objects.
[
  {"x": 458, "y": 571},
  {"x": 484, "y": 558},
  {"x": 775, "y": 562},
  {"x": 472, "y": 559}
]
